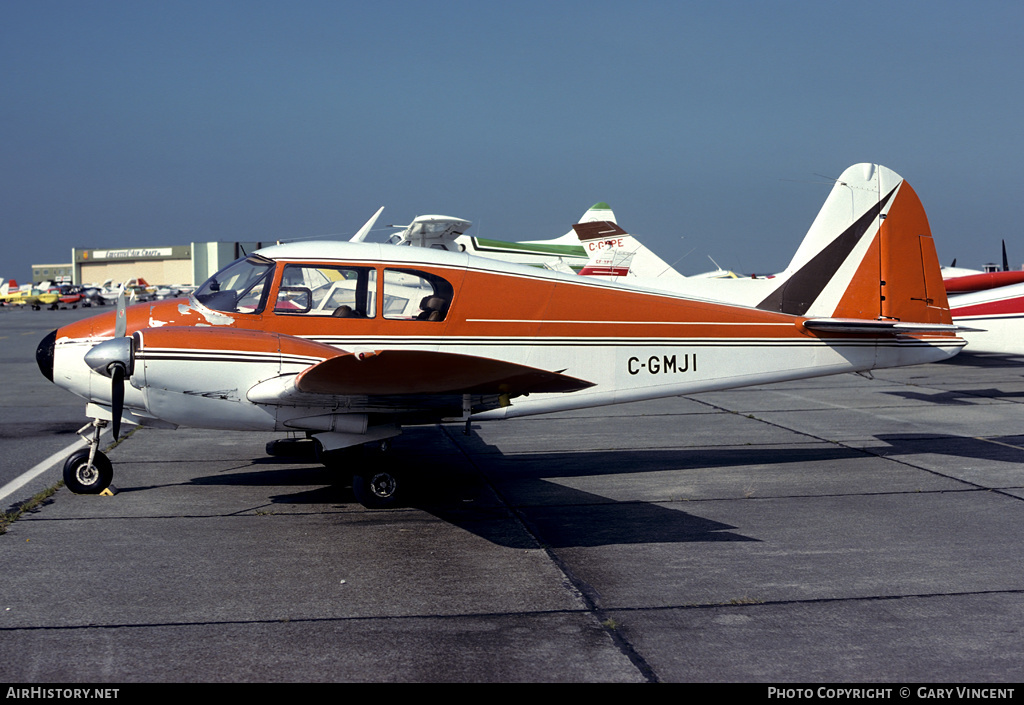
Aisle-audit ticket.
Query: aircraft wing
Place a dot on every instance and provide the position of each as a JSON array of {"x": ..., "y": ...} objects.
[
  {"x": 425, "y": 372},
  {"x": 405, "y": 375}
]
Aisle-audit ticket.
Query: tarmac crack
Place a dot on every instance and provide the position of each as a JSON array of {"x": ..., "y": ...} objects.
[
  {"x": 293, "y": 620},
  {"x": 583, "y": 591},
  {"x": 822, "y": 600},
  {"x": 867, "y": 451},
  {"x": 534, "y": 613}
]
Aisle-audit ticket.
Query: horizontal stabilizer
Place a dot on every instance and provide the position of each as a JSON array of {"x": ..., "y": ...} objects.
[
  {"x": 876, "y": 327},
  {"x": 424, "y": 372}
]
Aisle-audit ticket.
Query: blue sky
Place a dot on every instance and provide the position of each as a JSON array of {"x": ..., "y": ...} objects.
[{"x": 708, "y": 126}]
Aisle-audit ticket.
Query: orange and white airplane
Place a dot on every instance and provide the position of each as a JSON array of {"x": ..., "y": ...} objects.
[{"x": 348, "y": 342}]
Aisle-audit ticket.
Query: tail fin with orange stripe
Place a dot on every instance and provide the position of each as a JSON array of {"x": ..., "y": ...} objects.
[{"x": 869, "y": 255}]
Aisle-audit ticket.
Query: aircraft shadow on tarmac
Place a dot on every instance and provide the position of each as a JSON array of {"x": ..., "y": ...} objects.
[
  {"x": 957, "y": 397},
  {"x": 993, "y": 360},
  {"x": 451, "y": 489},
  {"x": 562, "y": 516},
  {"x": 1008, "y": 449},
  {"x": 515, "y": 501}
]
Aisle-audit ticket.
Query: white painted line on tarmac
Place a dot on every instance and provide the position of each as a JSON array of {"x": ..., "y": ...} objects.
[{"x": 26, "y": 477}]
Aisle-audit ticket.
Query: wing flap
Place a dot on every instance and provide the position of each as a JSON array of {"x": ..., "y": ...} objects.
[{"x": 390, "y": 372}]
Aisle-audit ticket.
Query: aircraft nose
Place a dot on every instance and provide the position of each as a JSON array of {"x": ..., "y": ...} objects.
[{"x": 44, "y": 355}]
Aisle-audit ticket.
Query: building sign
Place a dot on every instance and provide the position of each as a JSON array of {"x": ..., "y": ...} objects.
[
  {"x": 132, "y": 254},
  {"x": 139, "y": 253}
]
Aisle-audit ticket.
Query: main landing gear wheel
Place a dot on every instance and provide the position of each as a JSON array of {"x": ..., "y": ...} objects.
[
  {"x": 378, "y": 489},
  {"x": 81, "y": 477}
]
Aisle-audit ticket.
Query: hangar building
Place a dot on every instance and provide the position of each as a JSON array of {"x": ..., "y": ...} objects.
[{"x": 190, "y": 264}]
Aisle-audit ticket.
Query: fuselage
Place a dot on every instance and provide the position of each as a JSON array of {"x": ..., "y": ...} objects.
[{"x": 213, "y": 359}]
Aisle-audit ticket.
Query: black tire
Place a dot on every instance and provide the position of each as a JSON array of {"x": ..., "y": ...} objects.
[
  {"x": 81, "y": 478},
  {"x": 378, "y": 489}
]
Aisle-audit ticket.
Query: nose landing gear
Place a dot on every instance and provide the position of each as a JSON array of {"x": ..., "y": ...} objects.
[{"x": 88, "y": 471}]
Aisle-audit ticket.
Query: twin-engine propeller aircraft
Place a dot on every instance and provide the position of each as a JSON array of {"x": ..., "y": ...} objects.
[{"x": 348, "y": 342}]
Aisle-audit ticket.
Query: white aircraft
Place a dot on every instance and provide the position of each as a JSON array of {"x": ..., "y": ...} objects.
[
  {"x": 613, "y": 255},
  {"x": 442, "y": 232},
  {"x": 348, "y": 342},
  {"x": 595, "y": 246}
]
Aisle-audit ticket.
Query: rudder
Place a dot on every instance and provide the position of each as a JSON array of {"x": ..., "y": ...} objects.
[{"x": 910, "y": 272}]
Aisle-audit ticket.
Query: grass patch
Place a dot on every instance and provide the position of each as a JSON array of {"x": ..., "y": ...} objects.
[
  {"x": 37, "y": 500},
  {"x": 8, "y": 518},
  {"x": 745, "y": 601}
]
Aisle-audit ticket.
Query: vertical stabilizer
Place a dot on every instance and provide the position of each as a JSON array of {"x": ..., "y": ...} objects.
[
  {"x": 868, "y": 254},
  {"x": 600, "y": 211},
  {"x": 615, "y": 254}
]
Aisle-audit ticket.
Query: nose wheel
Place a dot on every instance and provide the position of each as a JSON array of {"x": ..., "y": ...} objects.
[{"x": 85, "y": 475}]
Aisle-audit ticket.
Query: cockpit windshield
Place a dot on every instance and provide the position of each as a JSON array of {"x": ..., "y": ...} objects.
[{"x": 241, "y": 287}]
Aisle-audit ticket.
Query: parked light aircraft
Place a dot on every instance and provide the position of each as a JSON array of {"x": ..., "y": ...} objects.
[
  {"x": 614, "y": 255},
  {"x": 595, "y": 246},
  {"x": 27, "y": 295},
  {"x": 988, "y": 306},
  {"x": 962, "y": 281},
  {"x": 444, "y": 232},
  {"x": 348, "y": 342},
  {"x": 992, "y": 320},
  {"x": 137, "y": 289}
]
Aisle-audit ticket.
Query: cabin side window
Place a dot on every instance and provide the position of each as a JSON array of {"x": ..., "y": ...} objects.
[
  {"x": 413, "y": 295},
  {"x": 327, "y": 290}
]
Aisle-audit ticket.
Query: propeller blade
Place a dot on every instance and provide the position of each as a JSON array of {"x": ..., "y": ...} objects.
[
  {"x": 1006, "y": 263},
  {"x": 116, "y": 397},
  {"x": 121, "y": 323}
]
